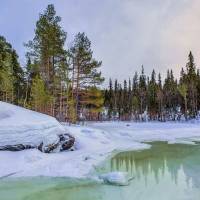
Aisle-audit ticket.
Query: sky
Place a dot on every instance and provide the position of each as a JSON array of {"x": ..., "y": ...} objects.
[{"x": 125, "y": 34}]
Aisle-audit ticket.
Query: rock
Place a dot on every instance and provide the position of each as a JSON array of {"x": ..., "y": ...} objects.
[
  {"x": 22, "y": 129},
  {"x": 49, "y": 148},
  {"x": 65, "y": 142},
  {"x": 17, "y": 147},
  {"x": 40, "y": 146}
]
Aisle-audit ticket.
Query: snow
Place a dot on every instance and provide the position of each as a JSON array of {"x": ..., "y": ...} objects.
[
  {"x": 116, "y": 178},
  {"x": 19, "y": 125},
  {"x": 94, "y": 142}
]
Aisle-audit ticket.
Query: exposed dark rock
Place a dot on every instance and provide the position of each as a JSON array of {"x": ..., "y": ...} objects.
[
  {"x": 66, "y": 142},
  {"x": 49, "y": 148},
  {"x": 40, "y": 146},
  {"x": 17, "y": 147}
]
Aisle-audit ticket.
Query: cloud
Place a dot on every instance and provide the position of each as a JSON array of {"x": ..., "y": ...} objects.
[{"x": 125, "y": 33}]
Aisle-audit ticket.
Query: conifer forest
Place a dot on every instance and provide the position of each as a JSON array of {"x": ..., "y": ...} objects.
[{"x": 67, "y": 82}]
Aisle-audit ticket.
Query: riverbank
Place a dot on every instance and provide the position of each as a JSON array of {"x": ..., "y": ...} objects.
[{"x": 94, "y": 142}]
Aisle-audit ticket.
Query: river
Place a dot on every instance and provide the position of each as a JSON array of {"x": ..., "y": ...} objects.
[{"x": 164, "y": 172}]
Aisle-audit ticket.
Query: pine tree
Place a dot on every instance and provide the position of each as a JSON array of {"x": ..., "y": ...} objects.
[
  {"x": 93, "y": 102},
  {"x": 6, "y": 86},
  {"x": 71, "y": 112},
  {"x": 39, "y": 95},
  {"x": 84, "y": 68},
  {"x": 18, "y": 79},
  {"x": 11, "y": 74},
  {"x": 47, "y": 51}
]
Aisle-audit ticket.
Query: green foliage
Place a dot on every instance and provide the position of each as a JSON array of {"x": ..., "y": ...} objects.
[
  {"x": 85, "y": 72},
  {"x": 47, "y": 47},
  {"x": 182, "y": 88},
  {"x": 161, "y": 100},
  {"x": 11, "y": 74},
  {"x": 92, "y": 103},
  {"x": 135, "y": 104},
  {"x": 40, "y": 97},
  {"x": 18, "y": 78},
  {"x": 72, "y": 117},
  {"x": 83, "y": 62},
  {"x": 60, "y": 81},
  {"x": 47, "y": 58},
  {"x": 6, "y": 86},
  {"x": 94, "y": 100}
]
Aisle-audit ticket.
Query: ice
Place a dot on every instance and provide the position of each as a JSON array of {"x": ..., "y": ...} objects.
[{"x": 116, "y": 178}]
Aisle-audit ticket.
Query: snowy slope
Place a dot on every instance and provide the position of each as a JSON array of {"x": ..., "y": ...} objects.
[
  {"x": 94, "y": 142},
  {"x": 19, "y": 125}
]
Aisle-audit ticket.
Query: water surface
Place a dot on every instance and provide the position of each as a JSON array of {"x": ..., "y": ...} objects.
[{"x": 164, "y": 172}]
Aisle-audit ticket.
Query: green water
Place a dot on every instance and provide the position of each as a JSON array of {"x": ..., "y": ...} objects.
[{"x": 164, "y": 172}]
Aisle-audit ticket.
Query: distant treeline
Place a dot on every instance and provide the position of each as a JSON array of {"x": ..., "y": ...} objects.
[
  {"x": 150, "y": 98},
  {"x": 65, "y": 82}
]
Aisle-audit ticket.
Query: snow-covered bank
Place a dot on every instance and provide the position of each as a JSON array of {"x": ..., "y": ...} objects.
[
  {"x": 94, "y": 142},
  {"x": 21, "y": 126}
]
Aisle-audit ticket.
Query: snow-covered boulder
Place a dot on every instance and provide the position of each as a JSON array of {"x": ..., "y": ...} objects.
[
  {"x": 116, "y": 178},
  {"x": 21, "y": 128}
]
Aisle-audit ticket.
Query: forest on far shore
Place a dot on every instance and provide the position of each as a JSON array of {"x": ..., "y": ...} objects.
[{"x": 66, "y": 83}]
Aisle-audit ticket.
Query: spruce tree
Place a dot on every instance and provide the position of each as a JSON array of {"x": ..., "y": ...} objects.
[
  {"x": 142, "y": 91},
  {"x": 160, "y": 97},
  {"x": 110, "y": 101},
  {"x": 191, "y": 81},
  {"x": 152, "y": 96}
]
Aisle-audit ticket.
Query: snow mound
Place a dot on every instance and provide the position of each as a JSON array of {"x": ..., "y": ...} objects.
[
  {"x": 116, "y": 178},
  {"x": 22, "y": 126},
  {"x": 94, "y": 143}
]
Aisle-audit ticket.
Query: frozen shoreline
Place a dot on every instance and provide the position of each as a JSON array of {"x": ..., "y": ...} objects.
[{"x": 94, "y": 143}]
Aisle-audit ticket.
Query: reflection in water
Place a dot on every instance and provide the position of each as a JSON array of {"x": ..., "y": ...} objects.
[
  {"x": 161, "y": 173},
  {"x": 160, "y": 160}
]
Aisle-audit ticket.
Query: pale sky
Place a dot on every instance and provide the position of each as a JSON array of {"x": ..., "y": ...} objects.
[{"x": 124, "y": 33}]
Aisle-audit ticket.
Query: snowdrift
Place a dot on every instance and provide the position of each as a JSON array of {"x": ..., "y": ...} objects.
[
  {"x": 116, "y": 178},
  {"x": 94, "y": 143},
  {"x": 22, "y": 126}
]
